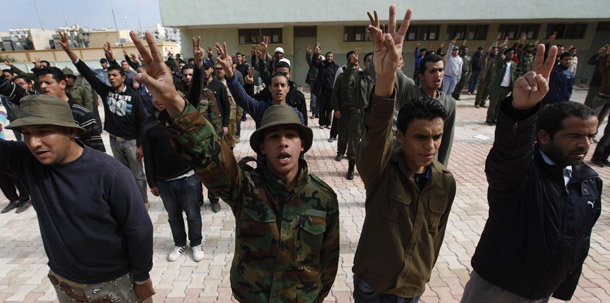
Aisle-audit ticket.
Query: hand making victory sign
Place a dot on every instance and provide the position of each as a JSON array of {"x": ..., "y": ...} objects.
[
  {"x": 388, "y": 47},
  {"x": 531, "y": 87},
  {"x": 157, "y": 76}
]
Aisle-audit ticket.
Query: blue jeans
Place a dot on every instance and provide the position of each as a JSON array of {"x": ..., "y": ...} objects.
[
  {"x": 364, "y": 293},
  {"x": 182, "y": 195},
  {"x": 449, "y": 84},
  {"x": 474, "y": 80}
]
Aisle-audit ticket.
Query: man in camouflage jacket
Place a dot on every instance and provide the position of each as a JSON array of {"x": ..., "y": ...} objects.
[{"x": 287, "y": 220}]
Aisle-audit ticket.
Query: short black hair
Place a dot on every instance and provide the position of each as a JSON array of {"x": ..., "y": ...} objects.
[
  {"x": 282, "y": 64},
  {"x": 278, "y": 75},
  {"x": 45, "y": 61},
  {"x": 327, "y": 53},
  {"x": 116, "y": 67},
  {"x": 191, "y": 60},
  {"x": 349, "y": 54},
  {"x": 428, "y": 58},
  {"x": 188, "y": 66},
  {"x": 238, "y": 53},
  {"x": 422, "y": 108},
  {"x": 103, "y": 60},
  {"x": 8, "y": 71},
  {"x": 24, "y": 77},
  {"x": 367, "y": 54},
  {"x": 55, "y": 72},
  {"x": 565, "y": 54},
  {"x": 551, "y": 117}
]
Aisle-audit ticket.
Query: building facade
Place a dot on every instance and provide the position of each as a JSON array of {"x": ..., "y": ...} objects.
[{"x": 295, "y": 24}]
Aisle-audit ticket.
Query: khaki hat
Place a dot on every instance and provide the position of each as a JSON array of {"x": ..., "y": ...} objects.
[
  {"x": 44, "y": 110},
  {"x": 68, "y": 72},
  {"x": 281, "y": 115}
]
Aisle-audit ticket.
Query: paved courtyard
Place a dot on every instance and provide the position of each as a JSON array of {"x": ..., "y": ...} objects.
[{"x": 23, "y": 266}]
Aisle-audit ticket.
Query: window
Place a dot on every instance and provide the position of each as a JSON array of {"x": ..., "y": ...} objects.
[
  {"x": 411, "y": 33},
  {"x": 355, "y": 34},
  {"x": 477, "y": 32},
  {"x": 455, "y": 31},
  {"x": 509, "y": 30},
  {"x": 531, "y": 30},
  {"x": 422, "y": 32},
  {"x": 254, "y": 35},
  {"x": 567, "y": 31}
]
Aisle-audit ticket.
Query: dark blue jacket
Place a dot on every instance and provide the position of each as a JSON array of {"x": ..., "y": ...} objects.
[
  {"x": 537, "y": 235},
  {"x": 560, "y": 85}
]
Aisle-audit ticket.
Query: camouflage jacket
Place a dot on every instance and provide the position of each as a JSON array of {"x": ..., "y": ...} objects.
[
  {"x": 286, "y": 242},
  {"x": 208, "y": 108}
]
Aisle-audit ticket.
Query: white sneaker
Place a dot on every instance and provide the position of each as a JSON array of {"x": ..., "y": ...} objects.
[
  {"x": 176, "y": 252},
  {"x": 197, "y": 253}
]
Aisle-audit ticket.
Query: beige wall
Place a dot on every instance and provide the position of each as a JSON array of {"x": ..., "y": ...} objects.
[
  {"x": 97, "y": 39},
  {"x": 58, "y": 55}
]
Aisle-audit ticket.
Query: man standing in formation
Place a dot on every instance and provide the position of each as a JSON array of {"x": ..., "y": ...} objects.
[
  {"x": 408, "y": 194},
  {"x": 287, "y": 220},
  {"x": 350, "y": 98}
]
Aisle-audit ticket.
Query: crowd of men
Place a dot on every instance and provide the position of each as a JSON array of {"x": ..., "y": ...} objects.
[{"x": 182, "y": 119}]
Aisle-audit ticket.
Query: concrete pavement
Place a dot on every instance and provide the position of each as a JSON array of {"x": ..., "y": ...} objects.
[{"x": 23, "y": 266}]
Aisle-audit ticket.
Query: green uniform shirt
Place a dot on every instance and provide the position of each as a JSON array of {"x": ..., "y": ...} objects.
[
  {"x": 466, "y": 66},
  {"x": 81, "y": 95},
  {"x": 286, "y": 242}
]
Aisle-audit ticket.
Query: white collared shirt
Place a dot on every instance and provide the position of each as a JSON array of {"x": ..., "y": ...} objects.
[{"x": 567, "y": 171}]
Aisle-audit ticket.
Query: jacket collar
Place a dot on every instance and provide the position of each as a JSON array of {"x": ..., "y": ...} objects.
[
  {"x": 436, "y": 168},
  {"x": 580, "y": 171},
  {"x": 277, "y": 186}
]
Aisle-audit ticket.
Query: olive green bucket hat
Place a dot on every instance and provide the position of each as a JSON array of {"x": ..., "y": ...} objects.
[
  {"x": 281, "y": 115},
  {"x": 68, "y": 72},
  {"x": 44, "y": 110}
]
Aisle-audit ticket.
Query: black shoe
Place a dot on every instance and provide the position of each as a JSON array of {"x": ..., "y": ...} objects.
[
  {"x": 11, "y": 205},
  {"x": 489, "y": 122},
  {"x": 23, "y": 206},
  {"x": 598, "y": 162},
  {"x": 215, "y": 206},
  {"x": 350, "y": 170},
  {"x": 339, "y": 157},
  {"x": 331, "y": 139},
  {"x": 483, "y": 105},
  {"x": 605, "y": 162}
]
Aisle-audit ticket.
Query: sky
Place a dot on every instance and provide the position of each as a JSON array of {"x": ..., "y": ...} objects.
[{"x": 86, "y": 13}]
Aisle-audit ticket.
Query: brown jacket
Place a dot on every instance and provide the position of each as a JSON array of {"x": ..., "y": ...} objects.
[{"x": 403, "y": 228}]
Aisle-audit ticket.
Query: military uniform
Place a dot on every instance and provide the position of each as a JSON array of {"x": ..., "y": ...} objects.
[
  {"x": 351, "y": 100},
  {"x": 466, "y": 70},
  {"x": 81, "y": 95},
  {"x": 487, "y": 73},
  {"x": 286, "y": 242},
  {"x": 499, "y": 92},
  {"x": 526, "y": 61},
  {"x": 235, "y": 113}
]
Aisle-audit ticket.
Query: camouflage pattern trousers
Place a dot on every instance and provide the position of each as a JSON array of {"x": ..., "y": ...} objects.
[{"x": 117, "y": 290}]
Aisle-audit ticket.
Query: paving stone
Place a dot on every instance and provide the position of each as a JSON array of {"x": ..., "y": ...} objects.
[{"x": 23, "y": 263}]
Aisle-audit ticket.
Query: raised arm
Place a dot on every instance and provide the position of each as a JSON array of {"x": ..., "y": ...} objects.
[
  {"x": 250, "y": 105},
  {"x": 512, "y": 150},
  {"x": 377, "y": 139},
  {"x": 100, "y": 87}
]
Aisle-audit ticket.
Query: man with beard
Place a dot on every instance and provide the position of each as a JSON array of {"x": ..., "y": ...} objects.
[
  {"x": 543, "y": 200},
  {"x": 124, "y": 114}
]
